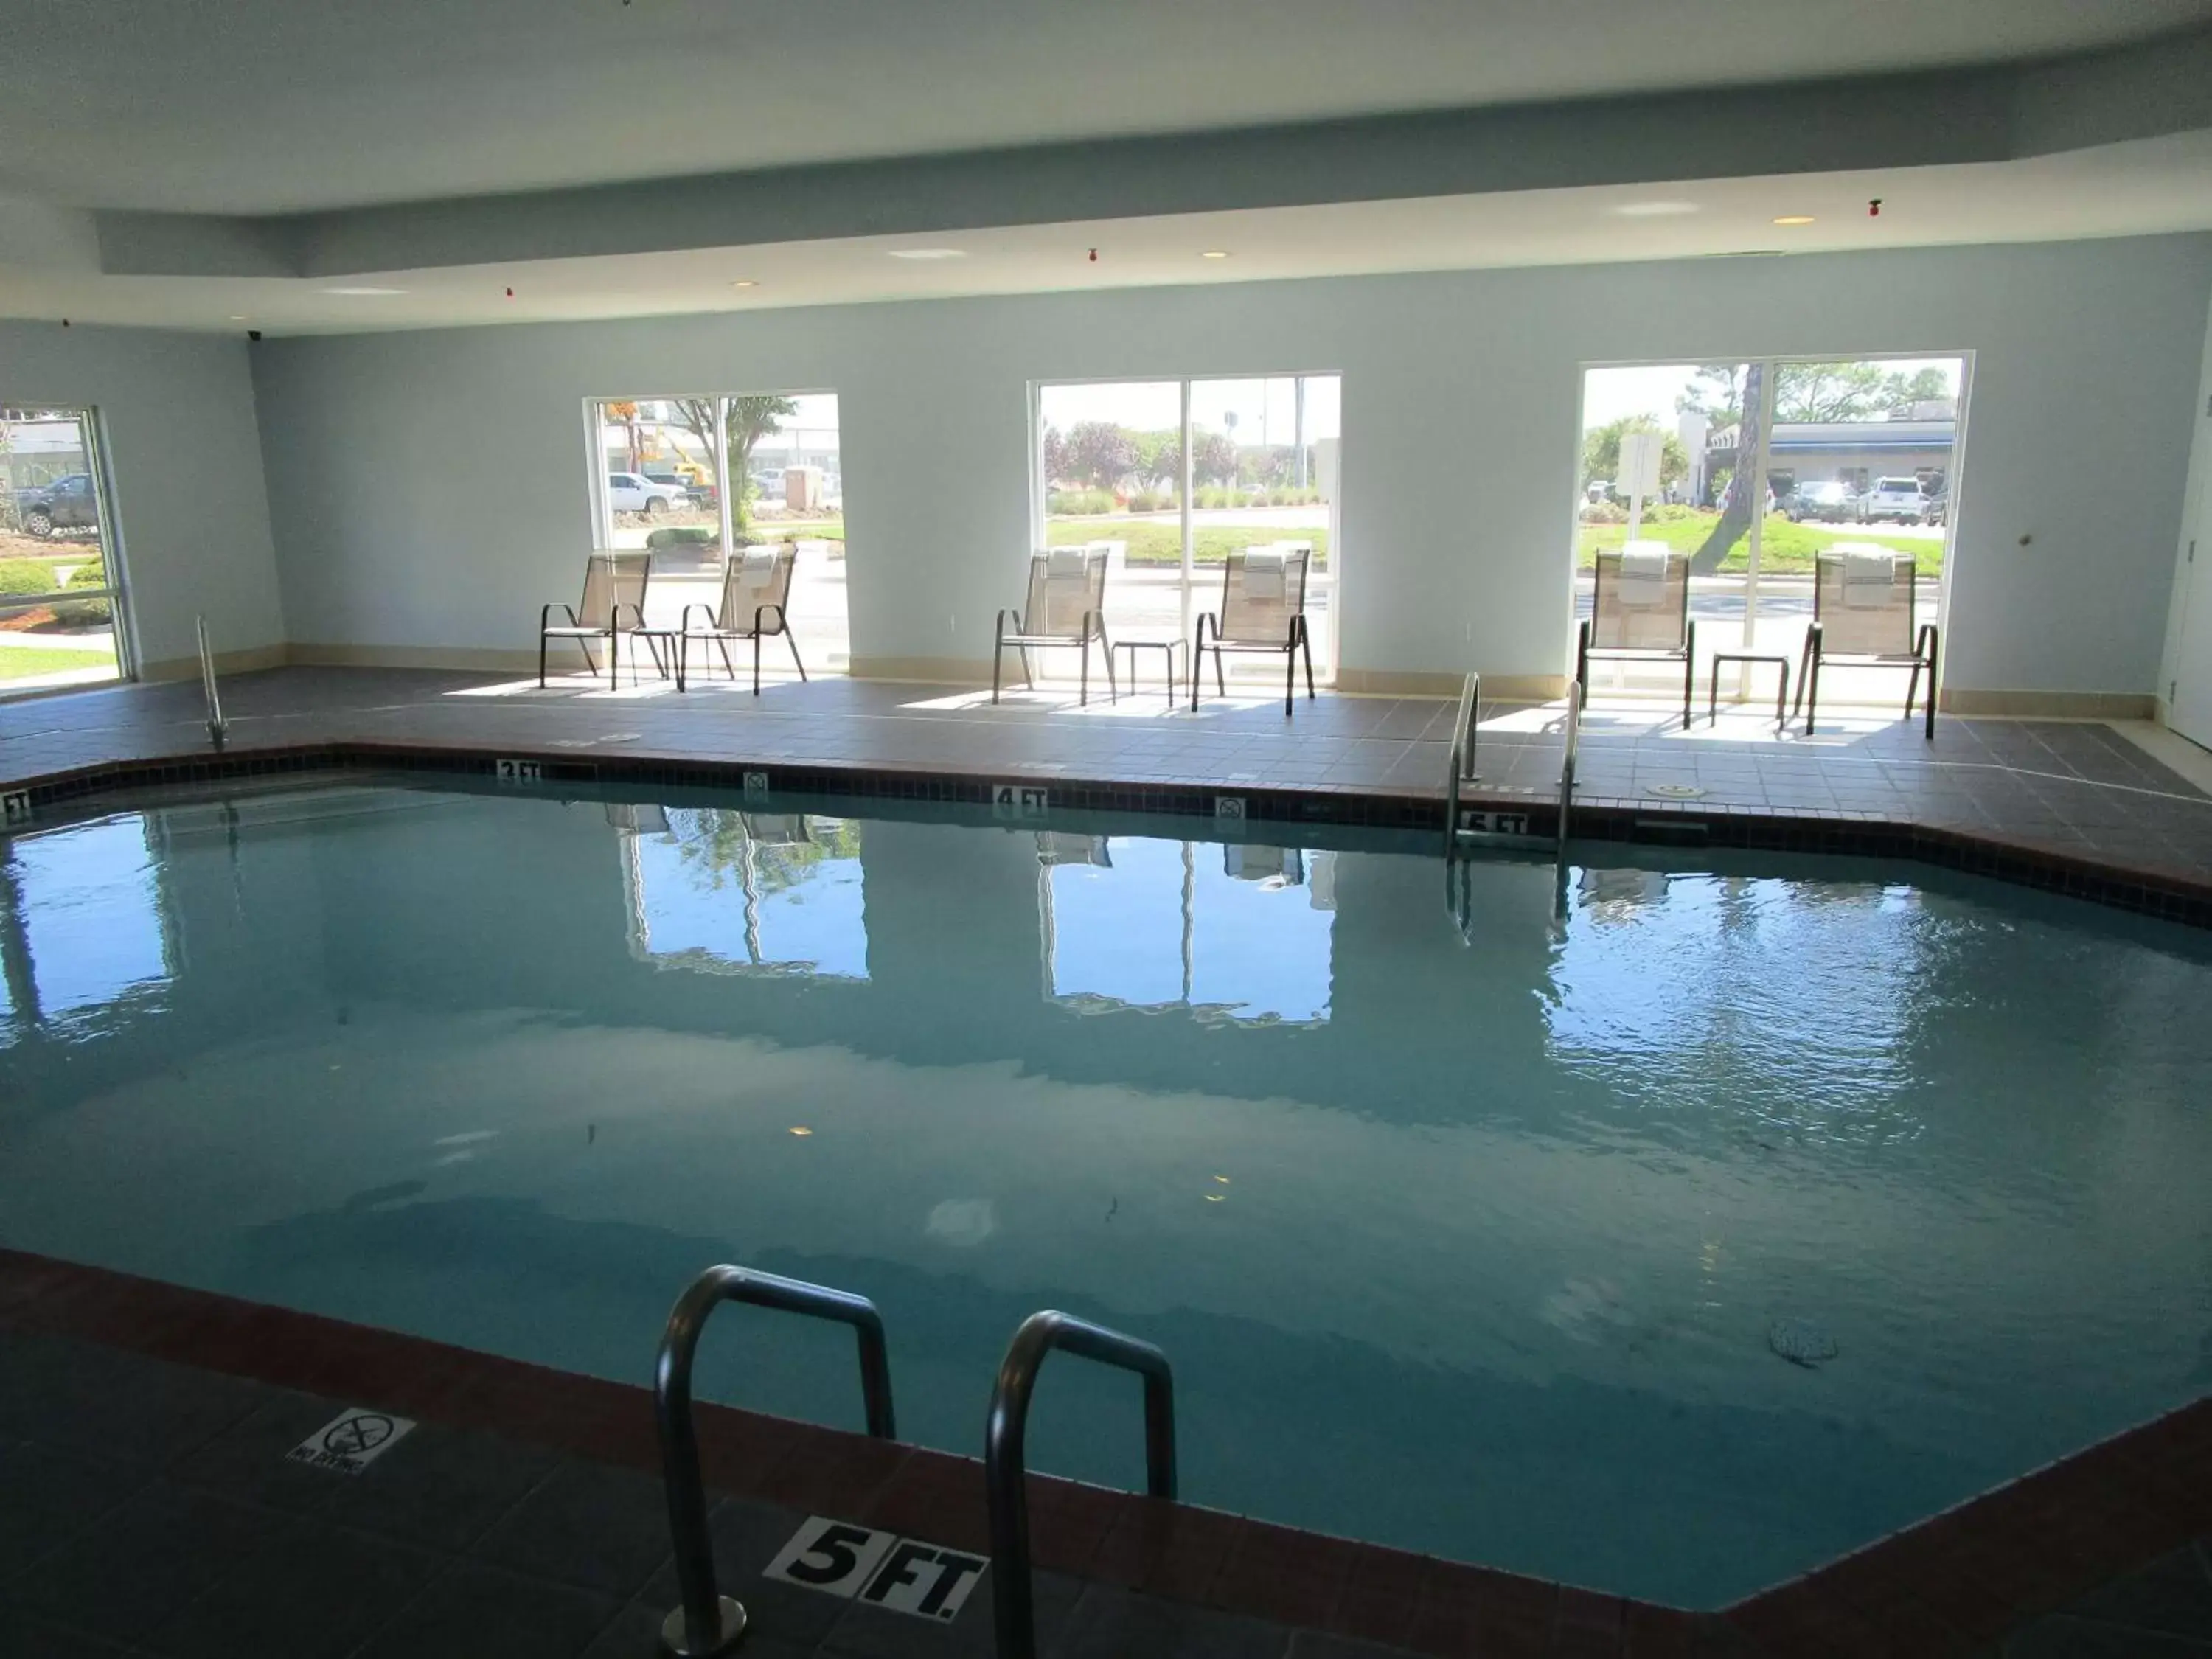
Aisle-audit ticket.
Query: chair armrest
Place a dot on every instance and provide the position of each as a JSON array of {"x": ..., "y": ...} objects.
[
  {"x": 760, "y": 615},
  {"x": 546, "y": 615},
  {"x": 711, "y": 621},
  {"x": 614, "y": 616}
]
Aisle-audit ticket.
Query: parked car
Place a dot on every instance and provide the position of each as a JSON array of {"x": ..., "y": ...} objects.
[
  {"x": 633, "y": 492},
  {"x": 768, "y": 484},
  {"x": 1893, "y": 498},
  {"x": 1938, "y": 510},
  {"x": 1829, "y": 501},
  {"x": 70, "y": 502}
]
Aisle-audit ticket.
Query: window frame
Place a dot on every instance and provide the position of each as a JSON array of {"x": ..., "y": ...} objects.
[{"x": 117, "y": 591}]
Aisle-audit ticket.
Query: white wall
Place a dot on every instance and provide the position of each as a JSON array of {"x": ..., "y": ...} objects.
[
  {"x": 184, "y": 454},
  {"x": 2185, "y": 679},
  {"x": 429, "y": 490}
]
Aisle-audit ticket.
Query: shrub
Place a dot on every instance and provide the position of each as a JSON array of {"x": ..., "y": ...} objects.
[
  {"x": 1080, "y": 502},
  {"x": 676, "y": 536},
  {"x": 1151, "y": 500},
  {"x": 85, "y": 613},
  {"x": 1604, "y": 513},
  {"x": 19, "y": 576}
]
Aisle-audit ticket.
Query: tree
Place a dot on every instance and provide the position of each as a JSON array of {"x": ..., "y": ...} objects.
[
  {"x": 1832, "y": 391},
  {"x": 1929, "y": 385},
  {"x": 1601, "y": 449},
  {"x": 1716, "y": 392},
  {"x": 1100, "y": 454},
  {"x": 1056, "y": 467},
  {"x": 749, "y": 420},
  {"x": 1216, "y": 458},
  {"x": 1746, "y": 487},
  {"x": 624, "y": 413}
]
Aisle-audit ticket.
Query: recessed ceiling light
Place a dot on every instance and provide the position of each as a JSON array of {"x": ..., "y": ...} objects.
[
  {"x": 744, "y": 282},
  {"x": 1795, "y": 219},
  {"x": 1215, "y": 253},
  {"x": 928, "y": 253},
  {"x": 364, "y": 293},
  {"x": 237, "y": 316},
  {"x": 1655, "y": 209}
]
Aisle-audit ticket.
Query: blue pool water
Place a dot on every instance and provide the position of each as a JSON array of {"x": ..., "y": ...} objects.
[{"x": 1479, "y": 1240}]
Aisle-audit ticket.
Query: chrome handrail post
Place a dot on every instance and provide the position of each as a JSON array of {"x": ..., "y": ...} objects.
[
  {"x": 1005, "y": 1432},
  {"x": 707, "y": 1623},
  {"x": 218, "y": 728}
]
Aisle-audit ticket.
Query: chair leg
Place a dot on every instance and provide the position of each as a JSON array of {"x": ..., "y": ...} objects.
[
  {"x": 1582, "y": 658},
  {"x": 1305, "y": 648},
  {"x": 1290, "y": 674},
  {"x": 792, "y": 640},
  {"x": 998, "y": 659},
  {"x": 541, "y": 660},
  {"x": 1934, "y": 640},
  {"x": 1083, "y": 676},
  {"x": 1197, "y": 663},
  {"x": 1813, "y": 694},
  {"x": 1689, "y": 669},
  {"x": 1220, "y": 679},
  {"x": 757, "y": 662},
  {"x": 728, "y": 666},
  {"x": 1804, "y": 676},
  {"x": 1112, "y": 680}
]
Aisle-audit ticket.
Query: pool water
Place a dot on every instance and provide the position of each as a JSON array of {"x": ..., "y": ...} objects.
[{"x": 1746, "y": 1212}]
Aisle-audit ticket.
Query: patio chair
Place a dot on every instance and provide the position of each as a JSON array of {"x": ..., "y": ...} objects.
[
  {"x": 755, "y": 597},
  {"x": 1862, "y": 617},
  {"x": 614, "y": 584},
  {"x": 1263, "y": 608},
  {"x": 1640, "y": 612},
  {"x": 1066, "y": 606}
]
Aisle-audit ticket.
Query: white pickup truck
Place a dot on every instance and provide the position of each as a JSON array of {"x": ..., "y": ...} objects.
[{"x": 633, "y": 492}]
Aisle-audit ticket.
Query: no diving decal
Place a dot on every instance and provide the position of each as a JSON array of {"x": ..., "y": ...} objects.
[
  {"x": 905, "y": 1575},
  {"x": 353, "y": 1442}
]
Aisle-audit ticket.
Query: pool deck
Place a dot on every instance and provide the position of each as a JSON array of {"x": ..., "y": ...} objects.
[
  {"x": 146, "y": 1506},
  {"x": 2082, "y": 807}
]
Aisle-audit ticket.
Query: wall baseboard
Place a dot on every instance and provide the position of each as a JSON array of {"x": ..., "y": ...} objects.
[
  {"x": 248, "y": 661},
  {"x": 422, "y": 656},
  {"x": 2050, "y": 705},
  {"x": 1496, "y": 688},
  {"x": 931, "y": 671}
]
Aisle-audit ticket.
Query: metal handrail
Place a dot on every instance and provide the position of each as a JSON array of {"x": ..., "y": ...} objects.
[
  {"x": 1004, "y": 1475},
  {"x": 1465, "y": 724},
  {"x": 218, "y": 728},
  {"x": 706, "y": 1622},
  {"x": 1567, "y": 790}
]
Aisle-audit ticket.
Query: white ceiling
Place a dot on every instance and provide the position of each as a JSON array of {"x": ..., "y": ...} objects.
[
  {"x": 255, "y": 106},
  {"x": 2151, "y": 186}
]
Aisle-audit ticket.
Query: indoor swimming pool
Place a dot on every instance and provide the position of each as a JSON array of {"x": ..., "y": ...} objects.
[{"x": 1749, "y": 1210}]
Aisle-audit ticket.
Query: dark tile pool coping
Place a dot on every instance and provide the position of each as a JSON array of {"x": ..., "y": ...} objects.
[
  {"x": 1956, "y": 1584},
  {"x": 2168, "y": 895}
]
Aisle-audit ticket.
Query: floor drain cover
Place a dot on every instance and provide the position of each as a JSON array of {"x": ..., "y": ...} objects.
[
  {"x": 1801, "y": 1341},
  {"x": 1676, "y": 791}
]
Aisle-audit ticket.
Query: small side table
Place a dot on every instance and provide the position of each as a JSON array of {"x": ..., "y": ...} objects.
[
  {"x": 1749, "y": 658},
  {"x": 673, "y": 637},
  {"x": 1167, "y": 648}
]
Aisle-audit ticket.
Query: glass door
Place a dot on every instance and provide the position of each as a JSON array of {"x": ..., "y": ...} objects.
[{"x": 61, "y": 594}]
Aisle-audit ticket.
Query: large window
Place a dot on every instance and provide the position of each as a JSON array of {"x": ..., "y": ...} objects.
[
  {"x": 1179, "y": 473},
  {"x": 689, "y": 476},
  {"x": 60, "y": 590},
  {"x": 1766, "y": 465}
]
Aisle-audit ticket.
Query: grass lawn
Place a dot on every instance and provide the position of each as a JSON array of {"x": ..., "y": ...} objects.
[
  {"x": 1161, "y": 544},
  {"x": 19, "y": 662},
  {"x": 1785, "y": 548}
]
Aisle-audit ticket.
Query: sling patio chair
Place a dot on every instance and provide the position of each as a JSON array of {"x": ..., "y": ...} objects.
[
  {"x": 1263, "y": 608},
  {"x": 756, "y": 601},
  {"x": 1066, "y": 606},
  {"x": 613, "y": 586},
  {"x": 1640, "y": 612},
  {"x": 1862, "y": 617}
]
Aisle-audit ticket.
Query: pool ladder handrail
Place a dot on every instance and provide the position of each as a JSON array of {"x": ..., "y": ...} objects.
[
  {"x": 1005, "y": 1474},
  {"x": 217, "y": 726},
  {"x": 1465, "y": 726},
  {"x": 707, "y": 1623}
]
